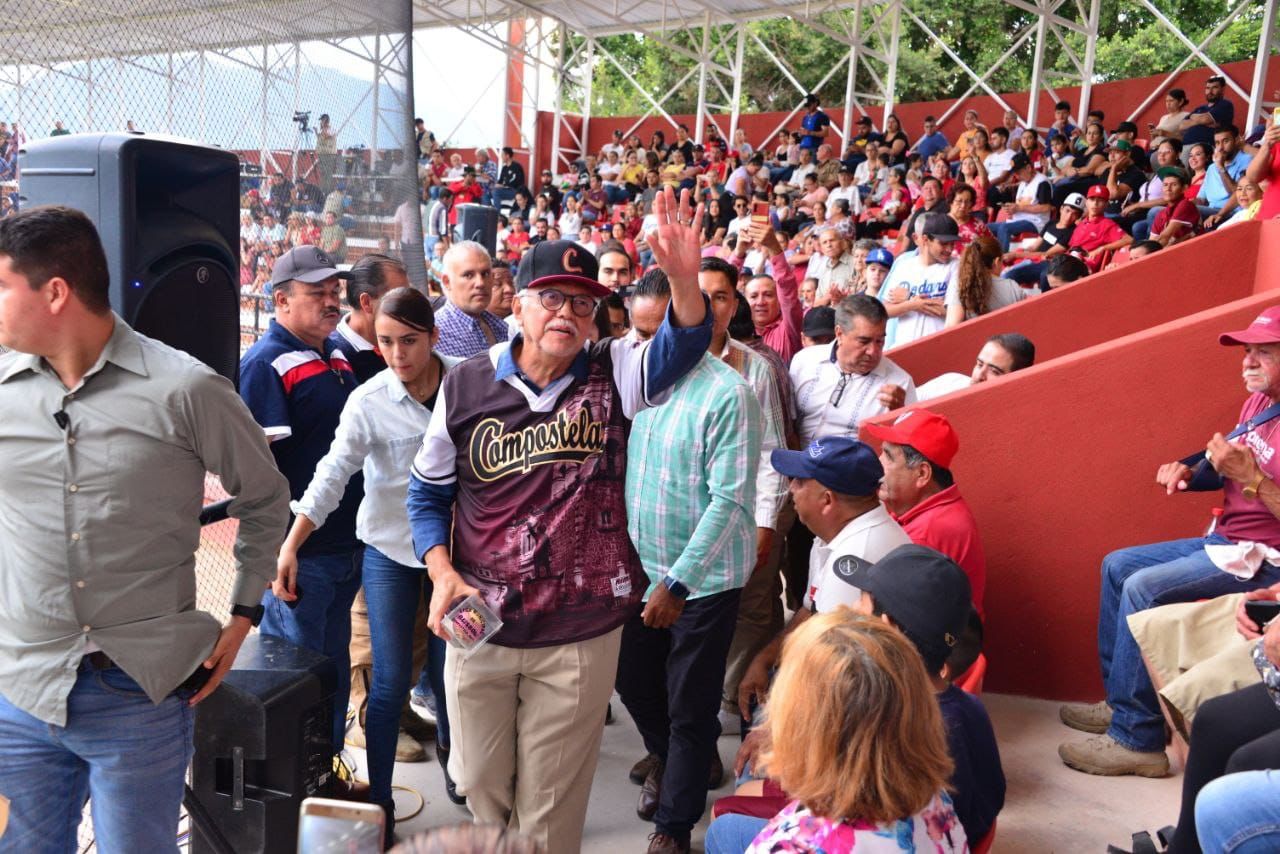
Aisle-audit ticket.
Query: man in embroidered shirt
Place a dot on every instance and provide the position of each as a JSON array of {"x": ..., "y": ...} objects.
[
  {"x": 691, "y": 482},
  {"x": 760, "y": 614},
  {"x": 530, "y": 445},
  {"x": 295, "y": 380},
  {"x": 466, "y": 325},
  {"x": 840, "y": 384},
  {"x": 1129, "y": 722}
]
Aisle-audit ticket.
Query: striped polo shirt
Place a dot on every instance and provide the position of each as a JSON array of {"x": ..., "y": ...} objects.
[{"x": 296, "y": 394}]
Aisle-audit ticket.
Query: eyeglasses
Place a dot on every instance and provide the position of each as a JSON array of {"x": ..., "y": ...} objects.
[
  {"x": 838, "y": 391},
  {"x": 552, "y": 300}
]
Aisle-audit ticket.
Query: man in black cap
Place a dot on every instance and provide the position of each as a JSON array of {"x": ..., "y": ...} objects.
[
  {"x": 925, "y": 595},
  {"x": 819, "y": 326},
  {"x": 517, "y": 495},
  {"x": 296, "y": 380},
  {"x": 815, "y": 123},
  {"x": 916, "y": 287}
]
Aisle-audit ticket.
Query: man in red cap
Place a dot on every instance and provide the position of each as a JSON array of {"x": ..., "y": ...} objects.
[
  {"x": 1096, "y": 234},
  {"x": 920, "y": 492},
  {"x": 517, "y": 495},
  {"x": 1129, "y": 726}
]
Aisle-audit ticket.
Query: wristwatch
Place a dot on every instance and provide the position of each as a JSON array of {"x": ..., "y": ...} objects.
[
  {"x": 252, "y": 612},
  {"x": 676, "y": 589},
  {"x": 1251, "y": 491}
]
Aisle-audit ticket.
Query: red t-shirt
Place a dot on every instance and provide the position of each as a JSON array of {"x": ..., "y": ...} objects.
[
  {"x": 1184, "y": 211},
  {"x": 1092, "y": 233},
  {"x": 1243, "y": 519},
  {"x": 944, "y": 522},
  {"x": 1270, "y": 206},
  {"x": 463, "y": 194}
]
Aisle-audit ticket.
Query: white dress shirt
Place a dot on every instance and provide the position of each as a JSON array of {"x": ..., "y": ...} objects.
[
  {"x": 816, "y": 376},
  {"x": 380, "y": 431}
]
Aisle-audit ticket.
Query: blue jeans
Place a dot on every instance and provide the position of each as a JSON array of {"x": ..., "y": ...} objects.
[
  {"x": 119, "y": 748},
  {"x": 1142, "y": 577},
  {"x": 391, "y": 590},
  {"x": 1005, "y": 231},
  {"x": 1026, "y": 273},
  {"x": 1240, "y": 813},
  {"x": 1142, "y": 228},
  {"x": 321, "y": 619},
  {"x": 731, "y": 834}
]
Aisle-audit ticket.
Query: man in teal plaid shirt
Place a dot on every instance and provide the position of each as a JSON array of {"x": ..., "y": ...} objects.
[{"x": 691, "y": 484}]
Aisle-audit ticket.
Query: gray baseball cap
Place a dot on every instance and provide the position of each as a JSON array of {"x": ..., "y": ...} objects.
[
  {"x": 940, "y": 227},
  {"x": 307, "y": 264}
]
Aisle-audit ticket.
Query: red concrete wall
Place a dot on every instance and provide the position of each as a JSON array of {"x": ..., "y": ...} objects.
[
  {"x": 1058, "y": 461},
  {"x": 1199, "y": 274},
  {"x": 1117, "y": 99}
]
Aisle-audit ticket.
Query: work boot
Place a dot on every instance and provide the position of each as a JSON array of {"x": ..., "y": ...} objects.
[
  {"x": 417, "y": 728},
  {"x": 1086, "y": 717},
  {"x": 408, "y": 749},
  {"x": 1103, "y": 755}
]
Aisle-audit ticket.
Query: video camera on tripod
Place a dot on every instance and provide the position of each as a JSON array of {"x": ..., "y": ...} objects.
[{"x": 303, "y": 120}]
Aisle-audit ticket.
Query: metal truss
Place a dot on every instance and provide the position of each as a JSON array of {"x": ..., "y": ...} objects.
[{"x": 1059, "y": 37}]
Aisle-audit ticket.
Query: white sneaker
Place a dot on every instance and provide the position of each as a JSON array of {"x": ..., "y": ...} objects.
[{"x": 730, "y": 723}]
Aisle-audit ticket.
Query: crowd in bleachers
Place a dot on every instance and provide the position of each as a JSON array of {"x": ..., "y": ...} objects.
[{"x": 631, "y": 449}]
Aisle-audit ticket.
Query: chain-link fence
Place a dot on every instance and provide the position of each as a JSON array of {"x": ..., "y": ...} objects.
[{"x": 315, "y": 98}]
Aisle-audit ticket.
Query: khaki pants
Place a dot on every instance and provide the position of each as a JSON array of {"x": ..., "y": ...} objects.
[
  {"x": 525, "y": 729},
  {"x": 1194, "y": 654},
  {"x": 760, "y": 614},
  {"x": 361, "y": 651}
]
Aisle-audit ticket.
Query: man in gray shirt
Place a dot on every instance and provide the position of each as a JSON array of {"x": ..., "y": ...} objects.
[{"x": 104, "y": 443}]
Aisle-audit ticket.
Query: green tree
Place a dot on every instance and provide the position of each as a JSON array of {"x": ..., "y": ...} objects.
[{"x": 1135, "y": 44}]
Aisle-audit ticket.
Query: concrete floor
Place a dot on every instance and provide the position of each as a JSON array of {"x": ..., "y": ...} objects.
[{"x": 1049, "y": 808}]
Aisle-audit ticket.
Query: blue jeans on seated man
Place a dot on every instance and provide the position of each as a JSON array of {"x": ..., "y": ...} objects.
[
  {"x": 1142, "y": 228},
  {"x": 392, "y": 591},
  {"x": 126, "y": 753},
  {"x": 1239, "y": 813},
  {"x": 1142, "y": 577},
  {"x": 1006, "y": 231},
  {"x": 321, "y": 619}
]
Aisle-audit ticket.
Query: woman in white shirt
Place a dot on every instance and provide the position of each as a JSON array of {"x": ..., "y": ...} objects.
[
  {"x": 570, "y": 219},
  {"x": 976, "y": 287},
  {"x": 380, "y": 430}
]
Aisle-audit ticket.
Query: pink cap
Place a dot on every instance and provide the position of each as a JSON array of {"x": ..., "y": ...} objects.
[{"x": 1265, "y": 329}]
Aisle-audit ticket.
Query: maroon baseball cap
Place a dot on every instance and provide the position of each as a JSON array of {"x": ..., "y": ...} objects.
[
  {"x": 1265, "y": 329},
  {"x": 560, "y": 262},
  {"x": 928, "y": 432}
]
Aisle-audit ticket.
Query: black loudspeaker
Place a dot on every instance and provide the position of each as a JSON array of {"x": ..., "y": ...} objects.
[
  {"x": 168, "y": 213},
  {"x": 263, "y": 742},
  {"x": 479, "y": 223}
]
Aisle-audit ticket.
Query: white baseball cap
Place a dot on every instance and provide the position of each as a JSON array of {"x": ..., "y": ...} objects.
[{"x": 1075, "y": 200}]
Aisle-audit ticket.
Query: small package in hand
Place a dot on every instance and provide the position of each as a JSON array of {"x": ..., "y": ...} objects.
[{"x": 470, "y": 623}]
